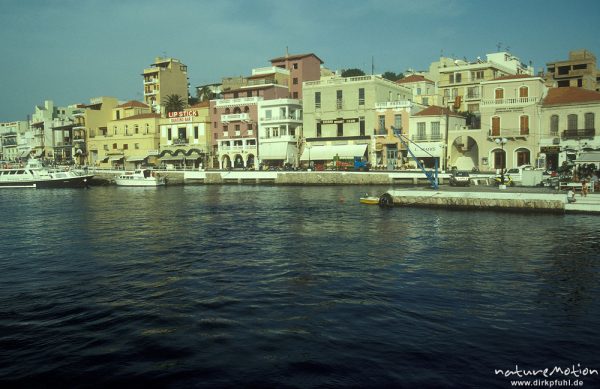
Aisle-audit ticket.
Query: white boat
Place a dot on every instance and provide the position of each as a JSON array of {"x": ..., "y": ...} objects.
[
  {"x": 35, "y": 175},
  {"x": 140, "y": 177}
]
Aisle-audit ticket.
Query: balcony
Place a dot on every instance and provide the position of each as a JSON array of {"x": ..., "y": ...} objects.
[
  {"x": 181, "y": 141},
  {"x": 237, "y": 101},
  {"x": 508, "y": 133},
  {"x": 393, "y": 105},
  {"x": 510, "y": 102},
  {"x": 579, "y": 134},
  {"x": 235, "y": 117},
  {"x": 426, "y": 138},
  {"x": 285, "y": 118}
]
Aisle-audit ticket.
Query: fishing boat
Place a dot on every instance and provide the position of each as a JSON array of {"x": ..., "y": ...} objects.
[
  {"x": 35, "y": 175},
  {"x": 140, "y": 177}
]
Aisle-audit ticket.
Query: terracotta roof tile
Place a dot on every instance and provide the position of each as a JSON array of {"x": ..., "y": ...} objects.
[
  {"x": 133, "y": 104},
  {"x": 570, "y": 95},
  {"x": 295, "y": 56},
  {"x": 142, "y": 116},
  {"x": 412, "y": 78},
  {"x": 435, "y": 110},
  {"x": 513, "y": 77}
]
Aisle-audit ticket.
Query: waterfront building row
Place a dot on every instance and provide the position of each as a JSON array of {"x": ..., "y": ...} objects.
[{"x": 296, "y": 113}]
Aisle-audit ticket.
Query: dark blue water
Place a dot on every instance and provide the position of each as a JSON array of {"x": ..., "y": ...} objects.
[{"x": 287, "y": 287}]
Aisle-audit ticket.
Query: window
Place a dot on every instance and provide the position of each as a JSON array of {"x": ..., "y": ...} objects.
[
  {"x": 420, "y": 130},
  {"x": 340, "y": 129},
  {"x": 227, "y": 111},
  {"x": 473, "y": 108},
  {"x": 381, "y": 121},
  {"x": 136, "y": 146},
  {"x": 338, "y": 99},
  {"x": 477, "y": 75},
  {"x": 105, "y": 147},
  {"x": 496, "y": 126},
  {"x": 454, "y": 92},
  {"x": 458, "y": 77},
  {"x": 114, "y": 146},
  {"x": 473, "y": 92},
  {"x": 524, "y": 125},
  {"x": 435, "y": 131},
  {"x": 554, "y": 125},
  {"x": 361, "y": 96},
  {"x": 295, "y": 65},
  {"x": 499, "y": 94},
  {"x": 249, "y": 93},
  {"x": 169, "y": 137},
  {"x": 418, "y": 91},
  {"x": 398, "y": 121},
  {"x": 136, "y": 129},
  {"x": 572, "y": 122},
  {"x": 147, "y": 129},
  {"x": 317, "y": 99},
  {"x": 195, "y": 132},
  {"x": 268, "y": 114},
  {"x": 361, "y": 121},
  {"x": 295, "y": 81},
  {"x": 589, "y": 120},
  {"x": 126, "y": 129},
  {"x": 523, "y": 92},
  {"x": 446, "y": 92},
  {"x": 294, "y": 95},
  {"x": 318, "y": 130},
  {"x": 249, "y": 128},
  {"x": 425, "y": 100},
  {"x": 451, "y": 80},
  {"x": 125, "y": 146},
  {"x": 523, "y": 157},
  {"x": 225, "y": 128},
  {"x": 214, "y": 124},
  {"x": 237, "y": 129},
  {"x": 181, "y": 133},
  {"x": 114, "y": 130}
]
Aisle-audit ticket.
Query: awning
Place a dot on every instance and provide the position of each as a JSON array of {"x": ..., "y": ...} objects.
[
  {"x": 173, "y": 158},
  {"x": 104, "y": 159},
  {"x": 276, "y": 150},
  {"x": 136, "y": 159},
  {"x": 23, "y": 153},
  {"x": 589, "y": 157},
  {"x": 193, "y": 156},
  {"x": 328, "y": 153},
  {"x": 38, "y": 153},
  {"x": 116, "y": 158}
]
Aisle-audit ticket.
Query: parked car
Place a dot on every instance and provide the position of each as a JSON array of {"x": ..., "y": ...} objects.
[{"x": 460, "y": 178}]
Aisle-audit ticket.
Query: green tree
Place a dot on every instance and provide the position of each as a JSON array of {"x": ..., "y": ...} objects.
[
  {"x": 352, "y": 73},
  {"x": 174, "y": 103},
  {"x": 205, "y": 93},
  {"x": 392, "y": 76}
]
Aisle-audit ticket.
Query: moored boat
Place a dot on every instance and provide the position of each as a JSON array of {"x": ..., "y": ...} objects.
[
  {"x": 369, "y": 199},
  {"x": 35, "y": 175},
  {"x": 140, "y": 177}
]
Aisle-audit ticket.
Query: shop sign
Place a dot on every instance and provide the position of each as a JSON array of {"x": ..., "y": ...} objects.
[{"x": 339, "y": 121}]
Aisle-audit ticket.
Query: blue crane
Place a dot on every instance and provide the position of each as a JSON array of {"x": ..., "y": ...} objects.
[{"x": 431, "y": 176}]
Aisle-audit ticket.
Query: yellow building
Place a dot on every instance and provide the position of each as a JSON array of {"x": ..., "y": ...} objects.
[
  {"x": 185, "y": 137},
  {"x": 89, "y": 121},
  {"x": 130, "y": 139},
  {"x": 166, "y": 76}
]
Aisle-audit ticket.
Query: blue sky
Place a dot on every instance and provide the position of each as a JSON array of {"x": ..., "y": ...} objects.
[{"x": 72, "y": 50}]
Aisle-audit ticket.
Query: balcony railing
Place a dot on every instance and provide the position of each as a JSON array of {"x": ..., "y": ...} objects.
[
  {"x": 235, "y": 117},
  {"x": 509, "y": 133},
  {"x": 427, "y": 138},
  {"x": 513, "y": 101},
  {"x": 393, "y": 104},
  {"x": 237, "y": 101},
  {"x": 579, "y": 133},
  {"x": 281, "y": 118},
  {"x": 180, "y": 141}
]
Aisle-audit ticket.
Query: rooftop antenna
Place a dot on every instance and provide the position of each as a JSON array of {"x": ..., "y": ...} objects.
[
  {"x": 287, "y": 54},
  {"x": 372, "y": 65}
]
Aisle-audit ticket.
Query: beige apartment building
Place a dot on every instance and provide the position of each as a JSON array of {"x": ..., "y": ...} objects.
[
  {"x": 131, "y": 137},
  {"x": 569, "y": 117},
  {"x": 423, "y": 89},
  {"x": 185, "y": 138},
  {"x": 579, "y": 71},
  {"x": 340, "y": 117},
  {"x": 459, "y": 81},
  {"x": 510, "y": 125},
  {"x": 166, "y": 76}
]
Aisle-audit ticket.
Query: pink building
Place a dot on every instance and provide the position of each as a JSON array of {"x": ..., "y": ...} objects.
[{"x": 302, "y": 67}]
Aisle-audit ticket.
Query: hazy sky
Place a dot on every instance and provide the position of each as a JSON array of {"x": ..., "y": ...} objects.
[{"x": 72, "y": 50}]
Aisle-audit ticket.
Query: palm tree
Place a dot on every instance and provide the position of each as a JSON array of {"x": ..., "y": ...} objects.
[
  {"x": 205, "y": 93},
  {"x": 174, "y": 103}
]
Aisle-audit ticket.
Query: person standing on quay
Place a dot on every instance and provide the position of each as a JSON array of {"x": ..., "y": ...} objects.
[{"x": 584, "y": 188}]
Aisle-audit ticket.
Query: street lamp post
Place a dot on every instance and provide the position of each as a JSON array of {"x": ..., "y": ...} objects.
[{"x": 502, "y": 142}]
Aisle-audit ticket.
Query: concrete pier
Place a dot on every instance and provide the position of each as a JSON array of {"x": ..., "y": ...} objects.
[{"x": 492, "y": 200}]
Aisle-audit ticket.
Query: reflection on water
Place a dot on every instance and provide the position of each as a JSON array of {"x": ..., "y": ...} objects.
[{"x": 286, "y": 286}]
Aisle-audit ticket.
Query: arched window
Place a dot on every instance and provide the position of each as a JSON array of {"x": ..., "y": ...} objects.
[
  {"x": 523, "y": 157},
  {"x": 246, "y": 109},
  {"x": 589, "y": 121},
  {"x": 524, "y": 92},
  {"x": 496, "y": 126},
  {"x": 554, "y": 125},
  {"x": 237, "y": 110},
  {"x": 572, "y": 122},
  {"x": 524, "y": 125}
]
